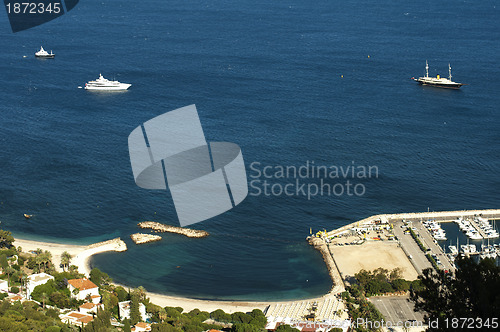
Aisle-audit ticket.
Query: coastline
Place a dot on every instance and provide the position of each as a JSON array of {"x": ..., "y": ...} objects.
[
  {"x": 81, "y": 258},
  {"x": 80, "y": 253}
]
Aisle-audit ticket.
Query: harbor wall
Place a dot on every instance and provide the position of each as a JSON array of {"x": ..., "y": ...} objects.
[{"x": 441, "y": 216}]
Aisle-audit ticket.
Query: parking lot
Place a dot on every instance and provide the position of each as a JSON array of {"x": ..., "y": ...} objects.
[{"x": 397, "y": 309}]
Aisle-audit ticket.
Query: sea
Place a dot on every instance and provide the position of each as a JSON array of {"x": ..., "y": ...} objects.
[{"x": 299, "y": 85}]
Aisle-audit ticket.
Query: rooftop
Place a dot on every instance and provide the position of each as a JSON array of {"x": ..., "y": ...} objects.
[
  {"x": 40, "y": 277},
  {"x": 82, "y": 284}
]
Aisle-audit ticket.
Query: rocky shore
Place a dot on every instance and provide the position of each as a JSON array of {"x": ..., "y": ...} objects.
[
  {"x": 140, "y": 238},
  {"x": 322, "y": 247},
  {"x": 156, "y": 226}
]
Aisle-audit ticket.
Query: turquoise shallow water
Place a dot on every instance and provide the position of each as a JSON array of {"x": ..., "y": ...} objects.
[{"x": 289, "y": 83}]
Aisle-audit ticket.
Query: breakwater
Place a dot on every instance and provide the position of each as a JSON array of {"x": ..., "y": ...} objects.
[
  {"x": 156, "y": 226},
  {"x": 320, "y": 245},
  {"x": 140, "y": 238},
  {"x": 441, "y": 216},
  {"x": 116, "y": 244}
]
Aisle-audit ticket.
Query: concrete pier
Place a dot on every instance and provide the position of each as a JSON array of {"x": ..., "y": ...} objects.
[
  {"x": 478, "y": 229},
  {"x": 440, "y": 216}
]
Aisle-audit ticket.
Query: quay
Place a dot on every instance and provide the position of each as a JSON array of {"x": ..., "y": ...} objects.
[
  {"x": 477, "y": 228},
  {"x": 440, "y": 216}
]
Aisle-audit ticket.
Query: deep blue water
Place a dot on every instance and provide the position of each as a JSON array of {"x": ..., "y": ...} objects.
[{"x": 289, "y": 82}]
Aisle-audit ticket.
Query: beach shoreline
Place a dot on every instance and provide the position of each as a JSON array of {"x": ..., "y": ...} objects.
[{"x": 83, "y": 253}]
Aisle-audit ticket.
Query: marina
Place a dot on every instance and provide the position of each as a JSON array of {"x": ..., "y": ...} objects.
[{"x": 432, "y": 229}]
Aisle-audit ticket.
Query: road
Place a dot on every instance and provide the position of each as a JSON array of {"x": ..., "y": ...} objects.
[{"x": 411, "y": 248}]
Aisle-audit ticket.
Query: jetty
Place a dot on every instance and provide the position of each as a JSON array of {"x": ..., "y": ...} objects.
[
  {"x": 156, "y": 226},
  {"x": 477, "y": 228},
  {"x": 116, "y": 244},
  {"x": 333, "y": 271},
  {"x": 140, "y": 238},
  {"x": 440, "y": 216}
]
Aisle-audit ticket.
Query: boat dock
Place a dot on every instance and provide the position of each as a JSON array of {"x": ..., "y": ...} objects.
[
  {"x": 477, "y": 228},
  {"x": 441, "y": 216}
]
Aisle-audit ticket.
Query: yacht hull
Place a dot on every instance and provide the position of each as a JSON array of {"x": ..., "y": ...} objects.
[{"x": 122, "y": 87}]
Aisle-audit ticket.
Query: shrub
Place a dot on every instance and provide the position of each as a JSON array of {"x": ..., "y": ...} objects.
[
  {"x": 53, "y": 329},
  {"x": 14, "y": 289}
]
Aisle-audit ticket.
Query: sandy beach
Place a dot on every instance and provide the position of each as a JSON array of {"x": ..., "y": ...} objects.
[
  {"x": 205, "y": 305},
  {"x": 81, "y": 254}
]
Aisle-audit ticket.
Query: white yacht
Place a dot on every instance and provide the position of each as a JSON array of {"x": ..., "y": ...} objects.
[
  {"x": 437, "y": 81},
  {"x": 439, "y": 235},
  {"x": 468, "y": 248},
  {"x": 103, "y": 84},
  {"x": 493, "y": 234},
  {"x": 453, "y": 250},
  {"x": 44, "y": 54},
  {"x": 474, "y": 235}
]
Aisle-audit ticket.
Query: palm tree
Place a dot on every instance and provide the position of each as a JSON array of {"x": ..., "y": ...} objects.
[
  {"x": 141, "y": 291},
  {"x": 65, "y": 259},
  {"x": 44, "y": 298},
  {"x": 47, "y": 260},
  {"x": 9, "y": 270},
  {"x": 23, "y": 279}
]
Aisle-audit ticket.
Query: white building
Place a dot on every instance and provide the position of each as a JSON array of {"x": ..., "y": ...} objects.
[
  {"x": 141, "y": 327},
  {"x": 125, "y": 310},
  {"x": 85, "y": 288},
  {"x": 89, "y": 308},
  {"x": 36, "y": 280},
  {"x": 4, "y": 286},
  {"x": 76, "y": 318}
]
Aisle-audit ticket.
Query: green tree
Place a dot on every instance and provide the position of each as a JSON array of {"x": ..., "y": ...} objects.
[
  {"x": 126, "y": 326},
  {"x": 472, "y": 291},
  {"x": 65, "y": 259},
  {"x": 401, "y": 285},
  {"x": 9, "y": 271},
  {"x": 100, "y": 323},
  {"x": 164, "y": 327},
  {"x": 240, "y": 317},
  {"x": 6, "y": 239},
  {"x": 44, "y": 297},
  {"x": 3, "y": 261},
  {"x": 218, "y": 315},
  {"x": 121, "y": 293},
  {"x": 258, "y": 318},
  {"x": 242, "y": 327},
  {"x": 100, "y": 278},
  {"x": 135, "y": 315}
]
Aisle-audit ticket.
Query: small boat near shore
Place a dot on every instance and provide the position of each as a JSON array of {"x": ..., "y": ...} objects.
[
  {"x": 44, "y": 54},
  {"x": 438, "y": 81}
]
